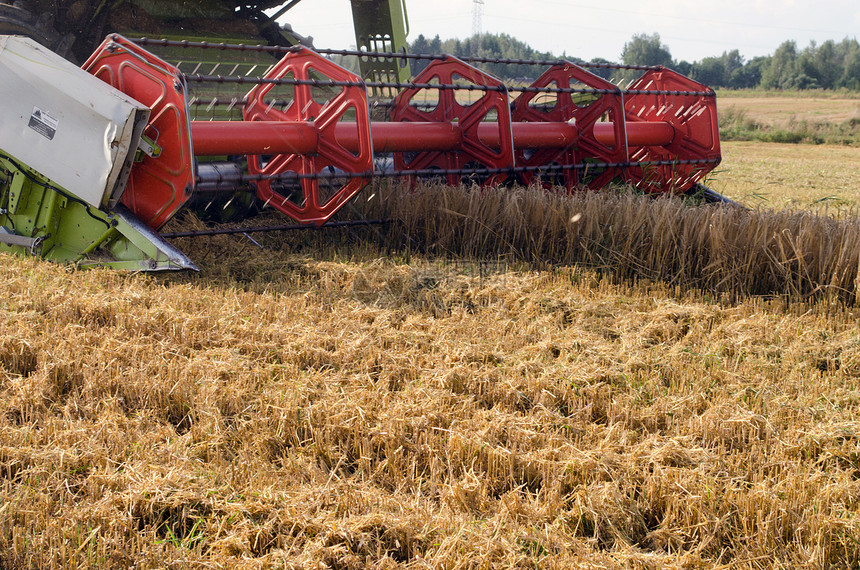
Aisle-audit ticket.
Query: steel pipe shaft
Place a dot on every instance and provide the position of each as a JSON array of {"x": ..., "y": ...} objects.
[{"x": 224, "y": 138}]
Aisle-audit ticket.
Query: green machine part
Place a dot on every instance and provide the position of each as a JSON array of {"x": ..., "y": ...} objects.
[
  {"x": 76, "y": 27},
  {"x": 382, "y": 26},
  {"x": 73, "y": 28},
  {"x": 39, "y": 218}
]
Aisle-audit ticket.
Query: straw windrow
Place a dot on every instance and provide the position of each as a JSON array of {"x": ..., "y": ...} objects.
[{"x": 719, "y": 248}]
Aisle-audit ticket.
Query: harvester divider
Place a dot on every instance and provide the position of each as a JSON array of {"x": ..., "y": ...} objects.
[{"x": 49, "y": 222}]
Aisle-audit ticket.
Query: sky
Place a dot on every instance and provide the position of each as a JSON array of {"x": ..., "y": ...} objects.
[{"x": 692, "y": 29}]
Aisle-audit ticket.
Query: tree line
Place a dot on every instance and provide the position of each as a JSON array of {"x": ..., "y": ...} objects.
[
  {"x": 829, "y": 65},
  {"x": 493, "y": 46}
]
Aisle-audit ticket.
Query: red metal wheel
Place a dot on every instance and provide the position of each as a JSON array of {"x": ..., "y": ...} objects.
[
  {"x": 691, "y": 109},
  {"x": 324, "y": 96},
  {"x": 598, "y": 100},
  {"x": 492, "y": 107}
]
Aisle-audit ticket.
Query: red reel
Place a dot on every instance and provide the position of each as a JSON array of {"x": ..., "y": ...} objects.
[
  {"x": 696, "y": 131},
  {"x": 475, "y": 150},
  {"x": 584, "y": 109},
  {"x": 324, "y": 95},
  {"x": 161, "y": 184}
]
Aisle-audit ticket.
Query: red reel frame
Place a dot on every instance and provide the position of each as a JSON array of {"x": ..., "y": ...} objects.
[
  {"x": 467, "y": 116},
  {"x": 161, "y": 184},
  {"x": 306, "y": 202},
  {"x": 694, "y": 119},
  {"x": 584, "y": 110}
]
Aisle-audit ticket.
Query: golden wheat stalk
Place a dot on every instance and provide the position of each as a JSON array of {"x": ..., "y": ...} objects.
[{"x": 719, "y": 248}]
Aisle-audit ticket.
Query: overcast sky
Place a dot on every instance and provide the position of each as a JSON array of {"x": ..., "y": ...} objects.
[{"x": 693, "y": 29}]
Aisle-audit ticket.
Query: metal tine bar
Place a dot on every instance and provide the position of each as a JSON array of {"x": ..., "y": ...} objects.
[
  {"x": 279, "y": 228},
  {"x": 377, "y": 54},
  {"x": 245, "y": 80},
  {"x": 479, "y": 171},
  {"x": 383, "y": 55}
]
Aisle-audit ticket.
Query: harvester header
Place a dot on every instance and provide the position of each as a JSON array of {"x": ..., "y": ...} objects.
[{"x": 304, "y": 135}]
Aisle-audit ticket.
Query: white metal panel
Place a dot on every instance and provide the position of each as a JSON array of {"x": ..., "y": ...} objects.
[{"x": 64, "y": 123}]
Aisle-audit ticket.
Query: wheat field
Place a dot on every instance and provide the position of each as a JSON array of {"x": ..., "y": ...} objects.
[
  {"x": 480, "y": 394},
  {"x": 821, "y": 178}
]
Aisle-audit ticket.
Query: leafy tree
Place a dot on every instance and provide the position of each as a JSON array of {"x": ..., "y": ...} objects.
[
  {"x": 604, "y": 72},
  {"x": 723, "y": 71},
  {"x": 831, "y": 65},
  {"x": 646, "y": 49},
  {"x": 733, "y": 61},
  {"x": 711, "y": 71},
  {"x": 501, "y": 46},
  {"x": 780, "y": 73},
  {"x": 825, "y": 64},
  {"x": 850, "y": 53},
  {"x": 684, "y": 67},
  {"x": 749, "y": 76},
  {"x": 851, "y": 74}
]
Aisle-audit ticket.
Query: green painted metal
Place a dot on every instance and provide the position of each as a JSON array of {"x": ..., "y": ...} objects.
[
  {"x": 160, "y": 9},
  {"x": 73, "y": 28},
  {"x": 284, "y": 9},
  {"x": 382, "y": 26},
  {"x": 39, "y": 218}
]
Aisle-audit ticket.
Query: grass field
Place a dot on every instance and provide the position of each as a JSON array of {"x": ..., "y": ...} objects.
[
  {"x": 789, "y": 175},
  {"x": 791, "y": 117},
  {"x": 824, "y": 177},
  {"x": 685, "y": 395},
  {"x": 773, "y": 107}
]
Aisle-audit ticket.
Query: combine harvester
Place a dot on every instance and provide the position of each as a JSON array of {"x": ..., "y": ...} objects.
[{"x": 94, "y": 160}]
